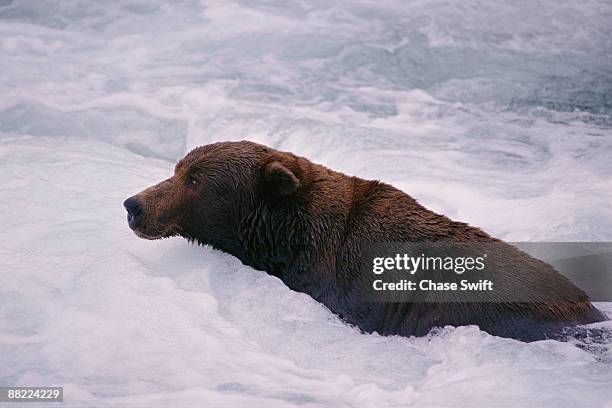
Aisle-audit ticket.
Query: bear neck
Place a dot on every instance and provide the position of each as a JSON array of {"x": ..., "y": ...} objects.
[
  {"x": 297, "y": 238},
  {"x": 273, "y": 236}
]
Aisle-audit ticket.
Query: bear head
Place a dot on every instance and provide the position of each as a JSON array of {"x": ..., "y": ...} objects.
[{"x": 213, "y": 191}]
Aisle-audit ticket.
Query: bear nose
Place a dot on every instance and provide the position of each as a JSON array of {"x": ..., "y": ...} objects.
[{"x": 134, "y": 211}]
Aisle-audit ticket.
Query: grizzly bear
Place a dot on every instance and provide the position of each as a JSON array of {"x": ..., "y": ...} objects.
[{"x": 305, "y": 224}]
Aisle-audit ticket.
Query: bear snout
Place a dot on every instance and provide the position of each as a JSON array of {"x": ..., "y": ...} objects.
[
  {"x": 134, "y": 211},
  {"x": 152, "y": 213}
]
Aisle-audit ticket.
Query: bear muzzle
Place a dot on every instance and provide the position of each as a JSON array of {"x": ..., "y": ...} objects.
[
  {"x": 138, "y": 220},
  {"x": 134, "y": 211},
  {"x": 152, "y": 213}
]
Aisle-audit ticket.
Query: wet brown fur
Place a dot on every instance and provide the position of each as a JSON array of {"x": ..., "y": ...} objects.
[{"x": 304, "y": 223}]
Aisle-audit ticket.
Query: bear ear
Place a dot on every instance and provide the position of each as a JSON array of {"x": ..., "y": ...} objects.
[{"x": 279, "y": 180}]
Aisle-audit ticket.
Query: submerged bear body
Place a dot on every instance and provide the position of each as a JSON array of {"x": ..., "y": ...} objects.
[{"x": 305, "y": 224}]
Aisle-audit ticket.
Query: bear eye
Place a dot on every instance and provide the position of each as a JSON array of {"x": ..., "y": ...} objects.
[{"x": 192, "y": 181}]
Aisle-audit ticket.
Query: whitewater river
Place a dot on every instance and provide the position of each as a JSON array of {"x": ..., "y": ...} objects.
[{"x": 494, "y": 113}]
